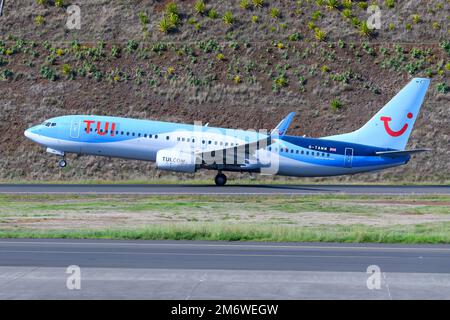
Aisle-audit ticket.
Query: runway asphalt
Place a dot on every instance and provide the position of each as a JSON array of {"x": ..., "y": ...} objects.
[
  {"x": 167, "y": 189},
  {"x": 36, "y": 269},
  {"x": 224, "y": 255}
]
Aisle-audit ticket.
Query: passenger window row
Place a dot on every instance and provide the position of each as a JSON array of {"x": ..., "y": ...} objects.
[
  {"x": 302, "y": 152},
  {"x": 126, "y": 133},
  {"x": 209, "y": 142}
]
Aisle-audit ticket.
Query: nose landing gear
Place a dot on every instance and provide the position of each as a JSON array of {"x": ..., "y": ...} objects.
[{"x": 220, "y": 179}]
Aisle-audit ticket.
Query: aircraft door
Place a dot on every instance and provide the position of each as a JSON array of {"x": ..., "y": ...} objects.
[
  {"x": 75, "y": 129},
  {"x": 348, "y": 160}
]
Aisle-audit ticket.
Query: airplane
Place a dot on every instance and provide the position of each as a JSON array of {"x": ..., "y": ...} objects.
[{"x": 187, "y": 148}]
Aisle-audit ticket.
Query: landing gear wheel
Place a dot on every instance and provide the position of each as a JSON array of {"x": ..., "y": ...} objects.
[
  {"x": 62, "y": 163},
  {"x": 220, "y": 179}
]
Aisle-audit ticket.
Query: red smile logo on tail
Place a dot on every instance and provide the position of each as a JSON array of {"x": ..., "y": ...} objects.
[{"x": 392, "y": 132}]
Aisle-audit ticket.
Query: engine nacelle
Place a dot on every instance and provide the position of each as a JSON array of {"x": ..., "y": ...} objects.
[{"x": 175, "y": 160}]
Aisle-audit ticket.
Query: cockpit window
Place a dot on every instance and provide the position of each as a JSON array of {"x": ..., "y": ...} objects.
[
  {"x": 48, "y": 124},
  {"x": 53, "y": 124}
]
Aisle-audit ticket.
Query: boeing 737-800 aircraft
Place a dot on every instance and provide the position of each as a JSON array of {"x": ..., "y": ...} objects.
[{"x": 379, "y": 144}]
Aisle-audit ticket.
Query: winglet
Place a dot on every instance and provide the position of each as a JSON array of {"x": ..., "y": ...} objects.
[{"x": 282, "y": 127}]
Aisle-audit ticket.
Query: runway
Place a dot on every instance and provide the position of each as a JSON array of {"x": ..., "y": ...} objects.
[
  {"x": 167, "y": 189},
  {"x": 36, "y": 269}
]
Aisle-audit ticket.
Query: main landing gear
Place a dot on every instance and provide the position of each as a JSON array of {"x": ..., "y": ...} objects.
[
  {"x": 220, "y": 179},
  {"x": 62, "y": 163}
]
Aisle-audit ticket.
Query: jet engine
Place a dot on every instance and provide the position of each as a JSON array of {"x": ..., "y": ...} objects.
[{"x": 175, "y": 160}]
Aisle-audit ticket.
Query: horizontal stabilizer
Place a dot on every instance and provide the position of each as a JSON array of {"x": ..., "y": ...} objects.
[
  {"x": 283, "y": 126},
  {"x": 394, "y": 154}
]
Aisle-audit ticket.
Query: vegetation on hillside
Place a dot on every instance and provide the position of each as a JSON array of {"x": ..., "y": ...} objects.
[{"x": 285, "y": 59}]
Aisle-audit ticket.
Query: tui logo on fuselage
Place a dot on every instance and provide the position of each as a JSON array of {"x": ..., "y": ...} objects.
[{"x": 99, "y": 129}]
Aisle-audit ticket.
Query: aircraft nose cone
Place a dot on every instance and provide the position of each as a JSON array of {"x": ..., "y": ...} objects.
[
  {"x": 27, "y": 133},
  {"x": 31, "y": 134}
]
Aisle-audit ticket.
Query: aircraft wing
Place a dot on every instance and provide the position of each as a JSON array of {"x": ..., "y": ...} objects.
[
  {"x": 242, "y": 155},
  {"x": 245, "y": 155},
  {"x": 255, "y": 145},
  {"x": 394, "y": 154}
]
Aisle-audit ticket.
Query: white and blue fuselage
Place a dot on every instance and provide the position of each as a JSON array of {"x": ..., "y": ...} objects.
[
  {"x": 379, "y": 144},
  {"x": 143, "y": 139}
]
